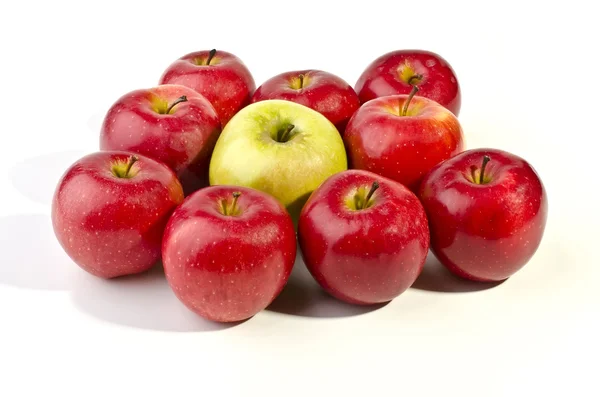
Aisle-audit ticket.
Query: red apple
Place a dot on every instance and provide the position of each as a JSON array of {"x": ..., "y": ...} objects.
[
  {"x": 228, "y": 252},
  {"x": 402, "y": 138},
  {"x": 218, "y": 75},
  {"x": 169, "y": 123},
  {"x": 363, "y": 237},
  {"x": 487, "y": 212},
  {"x": 110, "y": 209},
  {"x": 397, "y": 71},
  {"x": 324, "y": 92}
]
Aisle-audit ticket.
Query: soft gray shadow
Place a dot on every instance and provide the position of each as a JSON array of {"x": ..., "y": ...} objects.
[
  {"x": 31, "y": 256},
  {"x": 303, "y": 296},
  {"x": 36, "y": 177},
  {"x": 141, "y": 301},
  {"x": 435, "y": 277}
]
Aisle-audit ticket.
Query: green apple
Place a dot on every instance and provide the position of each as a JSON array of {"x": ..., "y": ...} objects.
[{"x": 279, "y": 147}]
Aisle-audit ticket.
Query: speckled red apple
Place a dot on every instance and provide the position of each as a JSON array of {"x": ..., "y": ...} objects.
[
  {"x": 397, "y": 71},
  {"x": 110, "y": 209},
  {"x": 487, "y": 211},
  {"x": 218, "y": 75},
  {"x": 228, "y": 252},
  {"x": 169, "y": 123},
  {"x": 364, "y": 238},
  {"x": 324, "y": 92}
]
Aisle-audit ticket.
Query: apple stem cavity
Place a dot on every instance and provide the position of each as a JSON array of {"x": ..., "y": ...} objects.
[
  {"x": 284, "y": 135},
  {"x": 486, "y": 159},
  {"x": 211, "y": 55},
  {"x": 410, "y": 97},
  {"x": 182, "y": 98}
]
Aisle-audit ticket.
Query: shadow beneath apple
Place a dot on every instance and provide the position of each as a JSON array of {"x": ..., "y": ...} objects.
[
  {"x": 36, "y": 177},
  {"x": 303, "y": 296},
  {"x": 435, "y": 277},
  {"x": 32, "y": 258},
  {"x": 141, "y": 301}
]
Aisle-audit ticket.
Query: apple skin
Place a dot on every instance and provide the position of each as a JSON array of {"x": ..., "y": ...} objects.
[
  {"x": 484, "y": 232},
  {"x": 324, "y": 92},
  {"x": 248, "y": 154},
  {"x": 390, "y": 73},
  {"x": 113, "y": 226},
  {"x": 364, "y": 256},
  {"x": 226, "y": 82},
  {"x": 402, "y": 148},
  {"x": 183, "y": 139},
  {"x": 223, "y": 267}
]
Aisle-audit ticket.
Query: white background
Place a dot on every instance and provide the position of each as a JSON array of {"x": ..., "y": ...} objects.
[{"x": 529, "y": 78}]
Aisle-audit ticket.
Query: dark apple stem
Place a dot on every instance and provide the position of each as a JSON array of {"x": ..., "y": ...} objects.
[
  {"x": 211, "y": 55},
  {"x": 182, "y": 98},
  {"x": 486, "y": 159},
  {"x": 301, "y": 77},
  {"x": 130, "y": 163},
  {"x": 234, "y": 203},
  {"x": 374, "y": 187},
  {"x": 285, "y": 133},
  {"x": 410, "y": 97}
]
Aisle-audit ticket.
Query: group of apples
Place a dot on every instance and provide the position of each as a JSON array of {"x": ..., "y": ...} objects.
[{"x": 217, "y": 178}]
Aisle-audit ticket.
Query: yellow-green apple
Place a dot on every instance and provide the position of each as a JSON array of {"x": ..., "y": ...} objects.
[
  {"x": 487, "y": 212},
  {"x": 228, "y": 251},
  {"x": 402, "y": 137},
  {"x": 169, "y": 123},
  {"x": 324, "y": 92},
  {"x": 280, "y": 147},
  {"x": 110, "y": 209},
  {"x": 218, "y": 75},
  {"x": 363, "y": 237},
  {"x": 397, "y": 71}
]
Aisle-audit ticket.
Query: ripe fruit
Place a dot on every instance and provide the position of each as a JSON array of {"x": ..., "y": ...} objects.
[
  {"x": 364, "y": 238},
  {"x": 487, "y": 212},
  {"x": 397, "y": 71},
  {"x": 110, "y": 209},
  {"x": 169, "y": 123},
  {"x": 228, "y": 252}
]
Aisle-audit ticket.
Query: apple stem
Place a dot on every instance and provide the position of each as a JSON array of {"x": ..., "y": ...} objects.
[
  {"x": 233, "y": 209},
  {"x": 486, "y": 159},
  {"x": 374, "y": 187},
  {"x": 130, "y": 163},
  {"x": 410, "y": 97},
  {"x": 301, "y": 78},
  {"x": 283, "y": 136},
  {"x": 182, "y": 98},
  {"x": 211, "y": 55}
]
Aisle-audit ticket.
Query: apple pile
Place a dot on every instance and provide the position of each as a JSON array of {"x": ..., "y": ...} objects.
[{"x": 219, "y": 180}]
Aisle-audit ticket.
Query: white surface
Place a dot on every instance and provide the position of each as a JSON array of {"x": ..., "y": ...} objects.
[{"x": 530, "y": 85}]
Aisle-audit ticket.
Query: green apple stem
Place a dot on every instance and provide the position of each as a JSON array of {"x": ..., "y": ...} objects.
[
  {"x": 284, "y": 135},
  {"x": 410, "y": 97},
  {"x": 486, "y": 159},
  {"x": 182, "y": 98},
  {"x": 211, "y": 55}
]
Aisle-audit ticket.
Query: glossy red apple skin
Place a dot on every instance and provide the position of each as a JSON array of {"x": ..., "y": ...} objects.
[
  {"x": 112, "y": 226},
  {"x": 387, "y": 76},
  {"x": 324, "y": 92},
  {"x": 402, "y": 148},
  {"x": 183, "y": 139},
  {"x": 363, "y": 256},
  {"x": 228, "y": 268},
  {"x": 485, "y": 232},
  {"x": 226, "y": 82}
]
